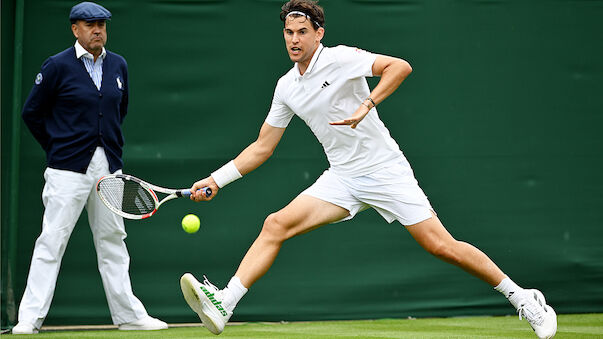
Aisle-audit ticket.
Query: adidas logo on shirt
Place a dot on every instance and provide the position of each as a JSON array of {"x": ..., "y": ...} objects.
[{"x": 325, "y": 84}]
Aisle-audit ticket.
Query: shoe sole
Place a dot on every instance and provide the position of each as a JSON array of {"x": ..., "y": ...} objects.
[
  {"x": 155, "y": 328},
  {"x": 23, "y": 332},
  {"x": 198, "y": 302},
  {"x": 142, "y": 328},
  {"x": 24, "y": 329}
]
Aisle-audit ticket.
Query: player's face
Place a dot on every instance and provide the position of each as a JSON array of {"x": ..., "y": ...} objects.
[
  {"x": 91, "y": 35},
  {"x": 301, "y": 40}
]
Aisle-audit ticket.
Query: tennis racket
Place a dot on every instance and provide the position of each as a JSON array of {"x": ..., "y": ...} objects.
[{"x": 133, "y": 198}]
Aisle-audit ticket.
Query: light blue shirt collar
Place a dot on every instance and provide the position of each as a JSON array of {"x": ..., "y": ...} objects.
[{"x": 82, "y": 52}]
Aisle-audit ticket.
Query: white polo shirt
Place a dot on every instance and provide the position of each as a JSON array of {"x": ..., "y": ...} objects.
[{"x": 331, "y": 89}]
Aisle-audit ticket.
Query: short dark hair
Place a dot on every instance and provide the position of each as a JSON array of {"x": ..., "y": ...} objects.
[{"x": 308, "y": 7}]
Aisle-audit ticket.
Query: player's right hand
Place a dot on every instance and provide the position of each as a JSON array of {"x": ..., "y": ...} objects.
[{"x": 197, "y": 194}]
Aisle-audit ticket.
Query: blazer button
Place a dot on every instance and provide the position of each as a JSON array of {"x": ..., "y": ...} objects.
[
  {"x": 100, "y": 95},
  {"x": 100, "y": 114}
]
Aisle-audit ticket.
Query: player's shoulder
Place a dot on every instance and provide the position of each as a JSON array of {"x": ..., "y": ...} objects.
[
  {"x": 344, "y": 49},
  {"x": 286, "y": 78},
  {"x": 338, "y": 48}
]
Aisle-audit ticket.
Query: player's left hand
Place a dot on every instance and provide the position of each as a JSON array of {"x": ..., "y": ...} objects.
[{"x": 355, "y": 119}]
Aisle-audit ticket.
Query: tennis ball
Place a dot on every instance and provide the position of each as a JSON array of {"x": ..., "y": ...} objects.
[{"x": 190, "y": 223}]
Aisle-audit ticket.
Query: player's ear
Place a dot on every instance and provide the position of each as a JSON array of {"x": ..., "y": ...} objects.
[{"x": 320, "y": 33}]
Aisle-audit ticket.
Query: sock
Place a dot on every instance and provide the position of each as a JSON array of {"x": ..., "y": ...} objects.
[
  {"x": 233, "y": 293},
  {"x": 508, "y": 288}
]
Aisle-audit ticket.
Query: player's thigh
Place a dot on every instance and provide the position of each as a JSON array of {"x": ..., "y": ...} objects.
[
  {"x": 431, "y": 234},
  {"x": 304, "y": 214}
]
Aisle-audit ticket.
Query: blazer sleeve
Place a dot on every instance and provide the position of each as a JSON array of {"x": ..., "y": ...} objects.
[
  {"x": 123, "y": 106},
  {"x": 39, "y": 103}
]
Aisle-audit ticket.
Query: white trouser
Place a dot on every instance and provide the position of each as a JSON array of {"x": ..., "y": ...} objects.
[{"x": 64, "y": 196}]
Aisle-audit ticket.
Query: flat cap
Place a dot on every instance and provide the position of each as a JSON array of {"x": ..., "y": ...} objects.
[{"x": 89, "y": 11}]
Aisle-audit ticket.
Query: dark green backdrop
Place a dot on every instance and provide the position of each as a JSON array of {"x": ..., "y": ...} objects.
[{"x": 501, "y": 120}]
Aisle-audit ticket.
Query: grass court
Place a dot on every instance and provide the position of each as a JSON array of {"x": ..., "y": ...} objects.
[{"x": 574, "y": 326}]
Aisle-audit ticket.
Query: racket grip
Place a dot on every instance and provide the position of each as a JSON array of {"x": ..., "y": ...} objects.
[
  {"x": 187, "y": 192},
  {"x": 207, "y": 191}
]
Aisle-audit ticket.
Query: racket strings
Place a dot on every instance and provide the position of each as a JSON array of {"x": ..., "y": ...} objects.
[{"x": 127, "y": 196}]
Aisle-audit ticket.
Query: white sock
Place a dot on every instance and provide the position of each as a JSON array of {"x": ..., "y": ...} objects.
[
  {"x": 508, "y": 288},
  {"x": 233, "y": 293}
]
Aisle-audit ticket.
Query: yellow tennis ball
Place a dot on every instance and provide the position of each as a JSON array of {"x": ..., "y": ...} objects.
[{"x": 190, "y": 223}]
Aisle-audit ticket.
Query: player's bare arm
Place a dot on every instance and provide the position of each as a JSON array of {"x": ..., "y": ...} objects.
[
  {"x": 260, "y": 150},
  {"x": 392, "y": 72},
  {"x": 249, "y": 159}
]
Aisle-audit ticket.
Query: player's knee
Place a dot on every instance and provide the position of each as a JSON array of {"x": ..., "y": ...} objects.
[
  {"x": 445, "y": 251},
  {"x": 274, "y": 229}
]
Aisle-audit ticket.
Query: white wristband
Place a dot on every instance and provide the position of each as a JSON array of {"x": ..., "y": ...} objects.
[{"x": 226, "y": 174}]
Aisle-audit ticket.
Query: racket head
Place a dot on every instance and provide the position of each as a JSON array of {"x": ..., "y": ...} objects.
[{"x": 127, "y": 196}]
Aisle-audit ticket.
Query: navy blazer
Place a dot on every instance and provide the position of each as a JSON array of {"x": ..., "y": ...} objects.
[{"x": 70, "y": 117}]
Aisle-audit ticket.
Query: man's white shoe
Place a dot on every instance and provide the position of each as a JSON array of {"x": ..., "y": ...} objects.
[
  {"x": 206, "y": 300},
  {"x": 532, "y": 306},
  {"x": 145, "y": 324},
  {"x": 24, "y": 328}
]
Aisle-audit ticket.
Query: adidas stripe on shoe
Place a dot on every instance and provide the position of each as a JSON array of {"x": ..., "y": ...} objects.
[
  {"x": 206, "y": 300},
  {"x": 532, "y": 306}
]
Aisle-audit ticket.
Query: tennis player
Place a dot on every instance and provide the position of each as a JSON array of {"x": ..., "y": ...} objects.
[{"x": 327, "y": 89}]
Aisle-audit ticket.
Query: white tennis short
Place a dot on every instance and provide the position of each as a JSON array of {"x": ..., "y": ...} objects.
[{"x": 393, "y": 191}]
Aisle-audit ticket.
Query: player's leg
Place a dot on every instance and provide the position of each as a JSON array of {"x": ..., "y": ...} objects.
[
  {"x": 530, "y": 304},
  {"x": 108, "y": 232},
  {"x": 302, "y": 215},
  {"x": 395, "y": 194},
  {"x": 64, "y": 197},
  {"x": 435, "y": 239}
]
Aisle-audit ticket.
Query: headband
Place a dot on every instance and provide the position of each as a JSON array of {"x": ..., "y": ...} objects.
[{"x": 302, "y": 14}]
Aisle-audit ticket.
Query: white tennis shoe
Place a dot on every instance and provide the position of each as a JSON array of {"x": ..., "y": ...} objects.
[
  {"x": 532, "y": 306},
  {"x": 145, "y": 324},
  {"x": 206, "y": 300},
  {"x": 24, "y": 328}
]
